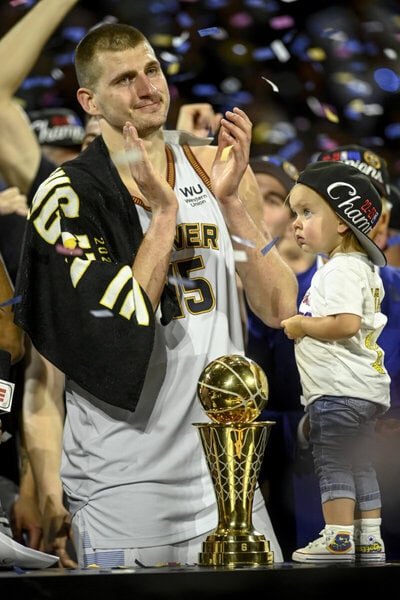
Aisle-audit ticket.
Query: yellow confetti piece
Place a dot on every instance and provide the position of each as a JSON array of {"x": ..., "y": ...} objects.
[
  {"x": 316, "y": 54},
  {"x": 225, "y": 153},
  {"x": 161, "y": 39},
  {"x": 173, "y": 68},
  {"x": 330, "y": 115}
]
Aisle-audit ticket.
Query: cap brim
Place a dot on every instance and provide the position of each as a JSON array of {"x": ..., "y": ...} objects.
[{"x": 373, "y": 251}]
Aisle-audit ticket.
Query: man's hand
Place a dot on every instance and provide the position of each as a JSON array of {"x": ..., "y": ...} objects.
[
  {"x": 57, "y": 532},
  {"x": 25, "y": 519},
  {"x": 232, "y": 155},
  {"x": 156, "y": 190}
]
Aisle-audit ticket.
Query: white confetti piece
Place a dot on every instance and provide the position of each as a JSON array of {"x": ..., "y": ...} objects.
[
  {"x": 272, "y": 84},
  {"x": 243, "y": 241},
  {"x": 240, "y": 255},
  {"x": 102, "y": 313}
]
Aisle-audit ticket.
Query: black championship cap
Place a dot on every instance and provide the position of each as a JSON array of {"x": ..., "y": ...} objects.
[
  {"x": 278, "y": 167},
  {"x": 57, "y": 127},
  {"x": 366, "y": 161},
  {"x": 353, "y": 198}
]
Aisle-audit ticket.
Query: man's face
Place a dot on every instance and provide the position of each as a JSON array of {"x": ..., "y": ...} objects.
[{"x": 131, "y": 86}]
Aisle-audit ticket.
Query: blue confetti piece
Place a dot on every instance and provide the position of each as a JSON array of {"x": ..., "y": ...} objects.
[
  {"x": 13, "y": 300},
  {"x": 268, "y": 247},
  {"x": 33, "y": 82},
  {"x": 393, "y": 241},
  {"x": 209, "y": 31},
  {"x": 19, "y": 570}
]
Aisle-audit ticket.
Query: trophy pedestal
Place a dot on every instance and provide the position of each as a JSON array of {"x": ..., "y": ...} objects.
[
  {"x": 234, "y": 453},
  {"x": 232, "y": 550}
]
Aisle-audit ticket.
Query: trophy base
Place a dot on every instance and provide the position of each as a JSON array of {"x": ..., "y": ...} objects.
[{"x": 222, "y": 550}]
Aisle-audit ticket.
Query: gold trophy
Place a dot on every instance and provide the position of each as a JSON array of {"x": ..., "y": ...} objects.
[{"x": 233, "y": 391}]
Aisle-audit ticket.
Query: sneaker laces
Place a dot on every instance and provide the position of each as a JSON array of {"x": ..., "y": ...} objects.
[{"x": 322, "y": 538}]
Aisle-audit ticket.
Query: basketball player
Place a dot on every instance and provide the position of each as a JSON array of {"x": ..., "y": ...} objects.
[{"x": 95, "y": 303}]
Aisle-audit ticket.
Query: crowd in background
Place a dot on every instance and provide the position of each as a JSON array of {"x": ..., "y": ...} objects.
[{"x": 309, "y": 80}]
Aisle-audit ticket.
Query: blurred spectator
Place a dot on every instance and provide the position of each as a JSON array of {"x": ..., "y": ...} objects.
[
  {"x": 29, "y": 152},
  {"x": 392, "y": 247},
  {"x": 272, "y": 350}
]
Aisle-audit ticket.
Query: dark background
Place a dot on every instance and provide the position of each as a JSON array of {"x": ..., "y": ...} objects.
[{"x": 331, "y": 87}]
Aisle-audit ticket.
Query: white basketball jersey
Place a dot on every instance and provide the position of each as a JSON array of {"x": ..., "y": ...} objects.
[{"x": 142, "y": 478}]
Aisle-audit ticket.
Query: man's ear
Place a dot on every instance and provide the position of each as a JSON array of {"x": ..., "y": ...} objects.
[{"x": 85, "y": 99}]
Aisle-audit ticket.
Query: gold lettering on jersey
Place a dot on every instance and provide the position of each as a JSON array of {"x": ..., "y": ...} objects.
[
  {"x": 377, "y": 299},
  {"x": 371, "y": 344},
  {"x": 196, "y": 235}
]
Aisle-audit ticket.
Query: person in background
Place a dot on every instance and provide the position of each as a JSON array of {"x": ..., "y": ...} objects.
[
  {"x": 199, "y": 119},
  {"x": 272, "y": 350},
  {"x": 34, "y": 143},
  {"x": 345, "y": 385},
  {"x": 167, "y": 329},
  {"x": 29, "y": 152},
  {"x": 392, "y": 246},
  {"x": 12, "y": 348}
]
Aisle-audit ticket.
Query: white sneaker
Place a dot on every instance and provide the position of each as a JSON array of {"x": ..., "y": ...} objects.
[
  {"x": 334, "y": 545},
  {"x": 369, "y": 548}
]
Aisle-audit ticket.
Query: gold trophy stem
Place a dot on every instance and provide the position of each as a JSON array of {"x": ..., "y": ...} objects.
[{"x": 234, "y": 453}]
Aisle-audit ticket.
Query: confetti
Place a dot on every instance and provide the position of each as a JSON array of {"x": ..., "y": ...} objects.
[
  {"x": 272, "y": 84},
  {"x": 280, "y": 51},
  {"x": 330, "y": 115},
  {"x": 20, "y": 2},
  {"x": 243, "y": 241},
  {"x": 225, "y": 153},
  {"x": 102, "y": 313},
  {"x": 187, "y": 283},
  {"x": 282, "y": 22},
  {"x": 240, "y": 255},
  {"x": 13, "y": 300},
  {"x": 126, "y": 156},
  {"x": 393, "y": 241},
  {"x": 68, "y": 251},
  {"x": 209, "y": 31},
  {"x": 268, "y": 247},
  {"x": 5, "y": 436}
]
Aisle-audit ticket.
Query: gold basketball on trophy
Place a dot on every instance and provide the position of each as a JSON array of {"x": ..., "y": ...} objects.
[{"x": 233, "y": 389}]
